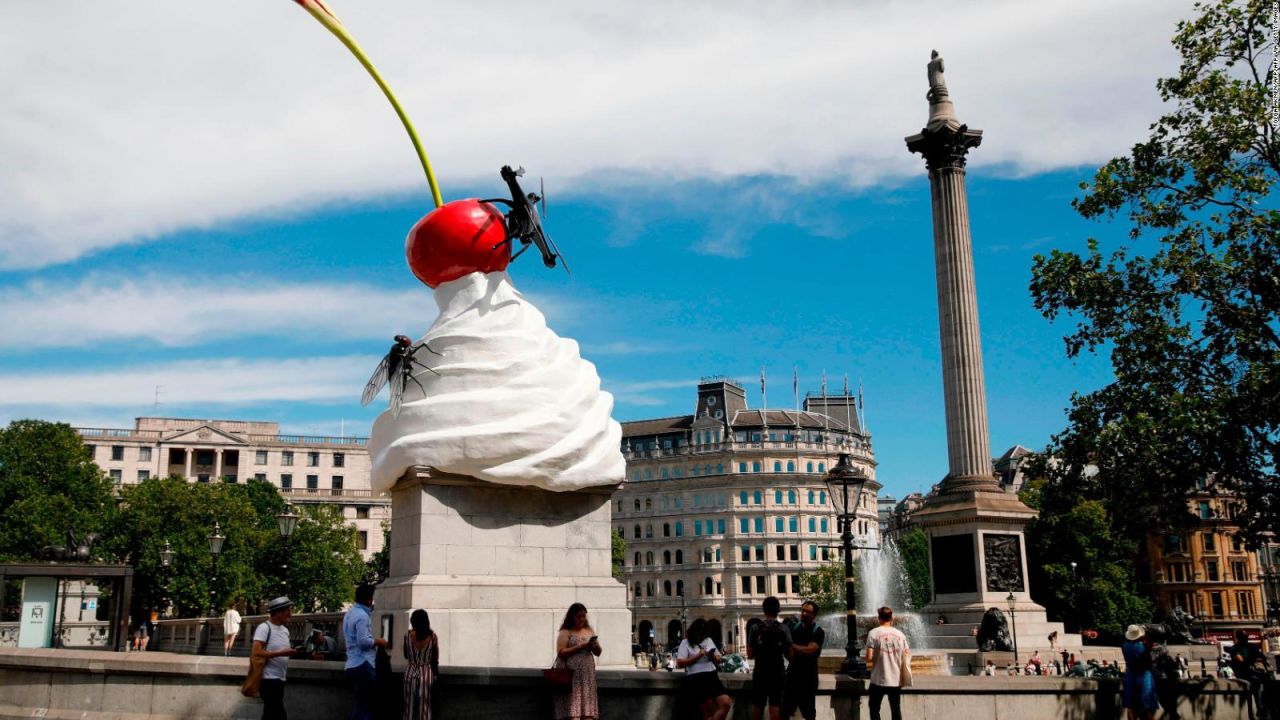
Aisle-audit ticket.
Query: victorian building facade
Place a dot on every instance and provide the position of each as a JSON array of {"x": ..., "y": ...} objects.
[
  {"x": 727, "y": 506},
  {"x": 305, "y": 469},
  {"x": 1205, "y": 569}
]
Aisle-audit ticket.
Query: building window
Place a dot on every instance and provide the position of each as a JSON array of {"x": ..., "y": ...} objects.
[
  {"x": 742, "y": 467},
  {"x": 759, "y": 553},
  {"x": 144, "y": 454},
  {"x": 1238, "y": 571},
  {"x": 339, "y": 459},
  {"x": 746, "y": 585},
  {"x": 826, "y": 553},
  {"x": 759, "y": 524},
  {"x": 117, "y": 452},
  {"x": 742, "y": 498},
  {"x": 813, "y": 552},
  {"x": 791, "y": 497},
  {"x": 720, "y": 526},
  {"x": 286, "y": 457},
  {"x": 231, "y": 478},
  {"x": 362, "y": 512},
  {"x": 666, "y": 588},
  {"x": 313, "y": 482},
  {"x": 793, "y": 524},
  {"x": 697, "y": 528},
  {"x": 1173, "y": 543},
  {"x": 364, "y": 540},
  {"x": 117, "y": 475},
  {"x": 746, "y": 553},
  {"x": 648, "y": 503},
  {"x": 637, "y": 562},
  {"x": 777, "y": 497},
  {"x": 782, "y": 584},
  {"x": 809, "y": 468},
  {"x": 777, "y": 524},
  {"x": 1237, "y": 544},
  {"x": 795, "y": 554},
  {"x": 813, "y": 525},
  {"x": 144, "y": 475},
  {"x": 202, "y": 477},
  {"x": 259, "y": 457},
  {"x": 717, "y": 553},
  {"x": 286, "y": 482},
  {"x": 791, "y": 466},
  {"x": 648, "y": 559},
  {"x": 337, "y": 483},
  {"x": 781, "y": 552},
  {"x": 719, "y": 468},
  {"x": 260, "y": 477},
  {"x": 760, "y": 586},
  {"x": 91, "y": 450},
  {"x": 1211, "y": 570},
  {"x": 637, "y": 589},
  {"x": 679, "y": 529},
  {"x": 1206, "y": 512},
  {"x": 648, "y": 588},
  {"x": 755, "y": 467},
  {"x": 313, "y": 459},
  {"x": 666, "y": 557},
  {"x": 758, "y": 497},
  {"x": 822, "y": 467},
  {"x": 679, "y": 557},
  {"x": 743, "y": 524},
  {"x": 1215, "y": 602},
  {"x": 823, "y": 525},
  {"x": 1209, "y": 545}
]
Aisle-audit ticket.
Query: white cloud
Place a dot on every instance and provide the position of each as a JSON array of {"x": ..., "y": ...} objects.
[
  {"x": 123, "y": 121},
  {"x": 217, "y": 383},
  {"x": 203, "y": 311}
]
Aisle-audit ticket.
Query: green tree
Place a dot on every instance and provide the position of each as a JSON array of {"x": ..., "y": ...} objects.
[
  {"x": 1188, "y": 310},
  {"x": 49, "y": 485},
  {"x": 378, "y": 568},
  {"x": 618, "y": 553},
  {"x": 913, "y": 548},
  {"x": 324, "y": 559},
  {"x": 825, "y": 586},
  {"x": 1100, "y": 591}
]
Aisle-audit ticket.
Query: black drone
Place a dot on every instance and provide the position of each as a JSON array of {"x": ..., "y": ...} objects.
[
  {"x": 523, "y": 221},
  {"x": 397, "y": 369}
]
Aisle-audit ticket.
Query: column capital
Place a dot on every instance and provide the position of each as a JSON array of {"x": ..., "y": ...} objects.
[{"x": 944, "y": 146}]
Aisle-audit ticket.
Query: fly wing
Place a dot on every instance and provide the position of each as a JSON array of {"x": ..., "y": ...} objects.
[
  {"x": 397, "y": 390},
  {"x": 376, "y": 381}
]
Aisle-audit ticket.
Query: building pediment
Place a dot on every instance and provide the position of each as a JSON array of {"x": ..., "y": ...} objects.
[{"x": 204, "y": 435}]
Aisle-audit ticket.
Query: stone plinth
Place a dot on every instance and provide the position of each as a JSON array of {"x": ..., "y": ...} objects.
[{"x": 498, "y": 566}]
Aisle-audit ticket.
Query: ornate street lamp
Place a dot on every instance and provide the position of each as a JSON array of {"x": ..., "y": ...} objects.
[
  {"x": 1013, "y": 616},
  {"x": 844, "y": 486},
  {"x": 166, "y": 555},
  {"x": 215, "y": 548},
  {"x": 288, "y": 522}
]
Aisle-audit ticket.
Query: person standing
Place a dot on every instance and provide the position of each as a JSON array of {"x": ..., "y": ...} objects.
[
  {"x": 700, "y": 658},
  {"x": 1249, "y": 664},
  {"x": 230, "y": 629},
  {"x": 768, "y": 644},
  {"x": 1139, "y": 686},
  {"x": 801, "y": 691},
  {"x": 422, "y": 650},
  {"x": 357, "y": 631},
  {"x": 271, "y": 641},
  {"x": 887, "y": 651},
  {"x": 577, "y": 648}
]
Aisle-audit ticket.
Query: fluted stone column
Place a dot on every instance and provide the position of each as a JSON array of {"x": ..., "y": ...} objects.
[{"x": 945, "y": 143}]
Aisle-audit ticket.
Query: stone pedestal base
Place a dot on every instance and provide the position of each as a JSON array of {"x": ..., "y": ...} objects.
[{"x": 497, "y": 567}]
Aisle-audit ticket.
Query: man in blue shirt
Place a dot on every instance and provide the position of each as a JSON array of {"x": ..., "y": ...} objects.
[{"x": 357, "y": 631}]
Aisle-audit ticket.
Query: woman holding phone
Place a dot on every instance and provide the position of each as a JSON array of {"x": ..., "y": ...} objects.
[
  {"x": 700, "y": 658},
  {"x": 576, "y": 649}
]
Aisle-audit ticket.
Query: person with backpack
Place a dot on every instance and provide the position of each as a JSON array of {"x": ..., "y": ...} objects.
[
  {"x": 807, "y": 639},
  {"x": 1249, "y": 664},
  {"x": 769, "y": 645},
  {"x": 887, "y": 653}
]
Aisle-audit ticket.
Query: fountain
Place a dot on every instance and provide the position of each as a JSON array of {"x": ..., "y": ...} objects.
[{"x": 884, "y": 582}]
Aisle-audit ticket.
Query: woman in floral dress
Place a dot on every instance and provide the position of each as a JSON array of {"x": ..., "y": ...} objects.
[
  {"x": 576, "y": 649},
  {"x": 422, "y": 650}
]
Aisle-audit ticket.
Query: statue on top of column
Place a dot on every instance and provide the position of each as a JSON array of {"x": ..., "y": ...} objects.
[{"x": 937, "y": 83}]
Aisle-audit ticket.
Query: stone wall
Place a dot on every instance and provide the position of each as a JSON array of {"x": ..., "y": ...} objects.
[{"x": 100, "y": 685}]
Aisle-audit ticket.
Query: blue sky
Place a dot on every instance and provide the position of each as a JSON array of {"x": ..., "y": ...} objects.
[{"x": 229, "y": 223}]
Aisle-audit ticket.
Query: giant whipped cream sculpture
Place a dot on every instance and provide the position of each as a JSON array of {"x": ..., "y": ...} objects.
[{"x": 499, "y": 397}]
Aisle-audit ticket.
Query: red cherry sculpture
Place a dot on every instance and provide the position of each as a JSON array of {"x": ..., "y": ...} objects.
[{"x": 456, "y": 239}]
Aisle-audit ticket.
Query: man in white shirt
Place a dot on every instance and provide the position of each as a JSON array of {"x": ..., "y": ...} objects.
[
  {"x": 271, "y": 641},
  {"x": 230, "y": 629},
  {"x": 887, "y": 651}
]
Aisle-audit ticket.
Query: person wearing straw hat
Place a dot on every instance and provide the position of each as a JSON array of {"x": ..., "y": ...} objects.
[
  {"x": 271, "y": 641},
  {"x": 1139, "y": 688}
]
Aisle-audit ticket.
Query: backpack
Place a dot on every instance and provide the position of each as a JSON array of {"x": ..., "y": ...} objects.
[{"x": 769, "y": 642}]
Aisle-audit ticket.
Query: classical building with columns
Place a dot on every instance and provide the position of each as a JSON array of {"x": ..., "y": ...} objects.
[
  {"x": 306, "y": 469},
  {"x": 726, "y": 506}
]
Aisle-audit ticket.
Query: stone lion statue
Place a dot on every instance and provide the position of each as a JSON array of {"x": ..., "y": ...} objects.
[{"x": 993, "y": 634}]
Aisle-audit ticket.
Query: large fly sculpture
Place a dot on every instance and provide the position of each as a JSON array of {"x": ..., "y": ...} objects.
[{"x": 397, "y": 369}]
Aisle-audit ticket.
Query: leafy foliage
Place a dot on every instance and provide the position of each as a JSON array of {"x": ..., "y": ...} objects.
[
  {"x": 825, "y": 586},
  {"x": 378, "y": 568},
  {"x": 1191, "y": 326},
  {"x": 49, "y": 485},
  {"x": 913, "y": 548},
  {"x": 618, "y": 553}
]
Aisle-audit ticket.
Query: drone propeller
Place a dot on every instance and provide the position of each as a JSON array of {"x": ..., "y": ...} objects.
[{"x": 542, "y": 193}]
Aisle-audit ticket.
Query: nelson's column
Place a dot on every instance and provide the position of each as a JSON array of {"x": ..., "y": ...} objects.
[{"x": 976, "y": 546}]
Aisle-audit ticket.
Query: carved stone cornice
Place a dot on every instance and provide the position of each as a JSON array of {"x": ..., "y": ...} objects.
[{"x": 944, "y": 145}]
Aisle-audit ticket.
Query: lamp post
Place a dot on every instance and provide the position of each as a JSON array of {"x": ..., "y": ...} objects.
[
  {"x": 166, "y": 561},
  {"x": 1013, "y": 615},
  {"x": 287, "y": 521},
  {"x": 844, "y": 486},
  {"x": 215, "y": 549},
  {"x": 1075, "y": 597}
]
